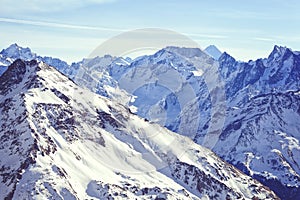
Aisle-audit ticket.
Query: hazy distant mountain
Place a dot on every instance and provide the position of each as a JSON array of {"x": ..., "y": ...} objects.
[{"x": 213, "y": 51}]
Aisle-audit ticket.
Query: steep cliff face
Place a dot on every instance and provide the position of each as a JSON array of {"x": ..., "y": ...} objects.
[
  {"x": 262, "y": 139},
  {"x": 261, "y": 133}
]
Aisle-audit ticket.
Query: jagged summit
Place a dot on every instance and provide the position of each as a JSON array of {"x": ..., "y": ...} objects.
[
  {"x": 278, "y": 51},
  {"x": 15, "y": 51},
  {"x": 12, "y": 48},
  {"x": 59, "y": 141},
  {"x": 226, "y": 56}
]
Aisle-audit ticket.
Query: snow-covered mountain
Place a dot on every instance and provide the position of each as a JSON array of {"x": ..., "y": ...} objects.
[
  {"x": 213, "y": 51},
  {"x": 90, "y": 73},
  {"x": 59, "y": 141},
  {"x": 262, "y": 137},
  {"x": 246, "y": 112},
  {"x": 14, "y": 52},
  {"x": 161, "y": 82},
  {"x": 279, "y": 72},
  {"x": 261, "y": 132}
]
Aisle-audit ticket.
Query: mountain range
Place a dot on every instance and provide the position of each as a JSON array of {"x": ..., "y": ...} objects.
[
  {"x": 245, "y": 112},
  {"x": 59, "y": 141}
]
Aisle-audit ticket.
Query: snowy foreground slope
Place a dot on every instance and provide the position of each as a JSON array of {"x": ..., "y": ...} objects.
[{"x": 59, "y": 141}]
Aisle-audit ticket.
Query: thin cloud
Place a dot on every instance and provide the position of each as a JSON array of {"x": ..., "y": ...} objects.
[
  {"x": 58, "y": 25},
  {"x": 264, "y": 39},
  {"x": 284, "y": 39},
  {"x": 290, "y": 38},
  {"x": 213, "y": 36},
  {"x": 45, "y": 6},
  {"x": 92, "y": 28}
]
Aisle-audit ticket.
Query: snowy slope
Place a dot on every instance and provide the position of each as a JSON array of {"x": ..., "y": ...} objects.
[
  {"x": 174, "y": 88},
  {"x": 156, "y": 82},
  {"x": 59, "y": 141}
]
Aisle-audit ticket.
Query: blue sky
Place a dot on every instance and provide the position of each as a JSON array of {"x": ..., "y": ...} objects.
[{"x": 72, "y": 29}]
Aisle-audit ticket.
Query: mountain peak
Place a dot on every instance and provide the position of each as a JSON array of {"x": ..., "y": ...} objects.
[
  {"x": 225, "y": 56},
  {"x": 14, "y": 46},
  {"x": 15, "y": 74},
  {"x": 15, "y": 51},
  {"x": 213, "y": 51},
  {"x": 278, "y": 51}
]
